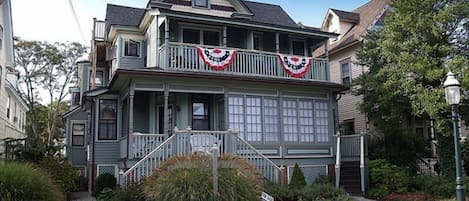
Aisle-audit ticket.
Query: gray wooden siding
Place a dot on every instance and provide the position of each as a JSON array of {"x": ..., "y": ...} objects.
[
  {"x": 348, "y": 105},
  {"x": 76, "y": 155},
  {"x": 107, "y": 152},
  {"x": 127, "y": 61}
]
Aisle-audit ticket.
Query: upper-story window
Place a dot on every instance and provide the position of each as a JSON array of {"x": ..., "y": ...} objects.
[
  {"x": 204, "y": 37},
  {"x": 76, "y": 98},
  {"x": 200, "y": 3},
  {"x": 107, "y": 120},
  {"x": 346, "y": 73},
  {"x": 298, "y": 47},
  {"x": 132, "y": 48},
  {"x": 78, "y": 134},
  {"x": 98, "y": 80},
  {"x": 8, "y": 106},
  {"x": 1, "y": 37}
]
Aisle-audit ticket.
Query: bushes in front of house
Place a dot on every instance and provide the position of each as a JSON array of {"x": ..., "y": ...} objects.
[
  {"x": 190, "y": 178},
  {"x": 21, "y": 181},
  {"x": 61, "y": 172},
  {"x": 105, "y": 180}
]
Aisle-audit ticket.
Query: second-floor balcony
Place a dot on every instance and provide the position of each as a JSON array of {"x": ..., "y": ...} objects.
[{"x": 185, "y": 57}]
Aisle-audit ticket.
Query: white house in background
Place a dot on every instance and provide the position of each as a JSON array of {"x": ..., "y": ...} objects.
[{"x": 12, "y": 108}]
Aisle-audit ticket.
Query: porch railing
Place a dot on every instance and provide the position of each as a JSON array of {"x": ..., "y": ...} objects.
[
  {"x": 184, "y": 57},
  {"x": 179, "y": 144},
  {"x": 352, "y": 146},
  {"x": 143, "y": 144}
]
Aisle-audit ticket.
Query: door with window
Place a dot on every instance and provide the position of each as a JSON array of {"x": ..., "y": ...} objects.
[{"x": 201, "y": 112}]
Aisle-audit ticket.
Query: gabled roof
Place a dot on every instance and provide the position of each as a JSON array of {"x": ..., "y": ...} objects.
[
  {"x": 269, "y": 14},
  {"x": 369, "y": 14},
  {"x": 347, "y": 16},
  {"x": 123, "y": 15}
]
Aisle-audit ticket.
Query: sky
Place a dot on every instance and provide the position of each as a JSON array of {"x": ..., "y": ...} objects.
[{"x": 54, "y": 21}]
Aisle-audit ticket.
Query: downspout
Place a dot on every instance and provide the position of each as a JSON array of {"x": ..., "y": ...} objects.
[{"x": 338, "y": 152}]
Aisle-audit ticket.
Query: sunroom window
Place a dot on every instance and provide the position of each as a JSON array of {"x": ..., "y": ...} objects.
[{"x": 132, "y": 48}]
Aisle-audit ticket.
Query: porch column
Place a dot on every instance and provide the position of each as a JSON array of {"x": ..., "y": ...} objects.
[
  {"x": 166, "y": 112},
  {"x": 166, "y": 41},
  {"x": 277, "y": 42},
  {"x": 250, "y": 40},
  {"x": 130, "y": 152},
  {"x": 225, "y": 40}
]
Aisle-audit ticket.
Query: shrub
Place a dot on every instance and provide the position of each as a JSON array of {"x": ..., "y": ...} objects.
[
  {"x": 62, "y": 172},
  {"x": 298, "y": 179},
  {"x": 190, "y": 178},
  {"x": 20, "y": 181},
  {"x": 279, "y": 192},
  {"x": 324, "y": 192},
  {"x": 105, "y": 180},
  {"x": 387, "y": 178}
]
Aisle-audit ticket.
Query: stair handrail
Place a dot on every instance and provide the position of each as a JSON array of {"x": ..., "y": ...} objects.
[
  {"x": 337, "y": 161},
  {"x": 141, "y": 161}
]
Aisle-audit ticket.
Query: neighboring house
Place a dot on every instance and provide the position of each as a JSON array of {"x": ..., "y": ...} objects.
[
  {"x": 12, "y": 107},
  {"x": 177, "y": 76}
]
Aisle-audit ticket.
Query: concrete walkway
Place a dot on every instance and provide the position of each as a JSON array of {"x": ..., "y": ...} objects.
[
  {"x": 81, "y": 196},
  {"x": 358, "y": 198}
]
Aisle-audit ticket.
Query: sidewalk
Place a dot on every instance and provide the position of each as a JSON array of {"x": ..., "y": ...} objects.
[
  {"x": 358, "y": 198},
  {"x": 81, "y": 196}
]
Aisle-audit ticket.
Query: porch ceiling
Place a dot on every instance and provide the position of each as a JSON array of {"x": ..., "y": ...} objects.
[{"x": 123, "y": 75}]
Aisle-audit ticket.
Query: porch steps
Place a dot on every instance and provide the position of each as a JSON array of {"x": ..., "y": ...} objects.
[{"x": 350, "y": 177}]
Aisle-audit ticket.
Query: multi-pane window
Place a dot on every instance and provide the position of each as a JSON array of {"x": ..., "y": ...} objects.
[
  {"x": 321, "y": 123},
  {"x": 290, "y": 121},
  {"x": 132, "y": 48},
  {"x": 346, "y": 78},
  {"x": 305, "y": 114},
  {"x": 253, "y": 118},
  {"x": 236, "y": 113},
  {"x": 201, "y": 3},
  {"x": 78, "y": 134},
  {"x": 107, "y": 120},
  {"x": 271, "y": 124}
]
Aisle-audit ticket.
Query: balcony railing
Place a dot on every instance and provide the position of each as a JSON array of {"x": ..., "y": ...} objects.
[{"x": 184, "y": 57}]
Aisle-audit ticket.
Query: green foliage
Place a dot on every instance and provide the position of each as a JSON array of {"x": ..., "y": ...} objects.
[
  {"x": 20, "y": 181},
  {"x": 105, "y": 180},
  {"x": 190, "y": 178},
  {"x": 319, "y": 191},
  {"x": 298, "y": 181},
  {"x": 62, "y": 172},
  {"x": 386, "y": 178},
  {"x": 131, "y": 193},
  {"x": 465, "y": 154},
  {"x": 108, "y": 194},
  {"x": 323, "y": 192},
  {"x": 407, "y": 61}
]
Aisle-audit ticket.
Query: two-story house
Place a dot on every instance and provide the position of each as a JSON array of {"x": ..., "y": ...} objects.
[
  {"x": 180, "y": 76},
  {"x": 12, "y": 107}
]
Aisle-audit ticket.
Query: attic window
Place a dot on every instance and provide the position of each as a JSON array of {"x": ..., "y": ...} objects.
[{"x": 200, "y": 3}]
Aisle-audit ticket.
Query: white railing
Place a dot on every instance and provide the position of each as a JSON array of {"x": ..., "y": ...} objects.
[
  {"x": 143, "y": 144},
  {"x": 184, "y": 57},
  {"x": 350, "y": 145},
  {"x": 184, "y": 142},
  {"x": 99, "y": 30}
]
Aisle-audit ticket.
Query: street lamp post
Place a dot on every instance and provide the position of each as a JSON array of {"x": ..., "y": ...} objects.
[{"x": 453, "y": 97}]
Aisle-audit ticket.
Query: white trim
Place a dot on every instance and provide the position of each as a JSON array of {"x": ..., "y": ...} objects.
[
  {"x": 72, "y": 122},
  {"x": 140, "y": 51},
  {"x": 116, "y": 170}
]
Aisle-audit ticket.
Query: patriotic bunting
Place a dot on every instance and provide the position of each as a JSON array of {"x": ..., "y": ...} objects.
[
  {"x": 218, "y": 59},
  {"x": 295, "y": 66}
]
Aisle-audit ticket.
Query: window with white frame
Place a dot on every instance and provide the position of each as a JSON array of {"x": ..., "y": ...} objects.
[
  {"x": 321, "y": 111},
  {"x": 98, "y": 80},
  {"x": 132, "y": 48},
  {"x": 253, "y": 118},
  {"x": 78, "y": 134},
  {"x": 346, "y": 74},
  {"x": 290, "y": 120},
  {"x": 271, "y": 124},
  {"x": 305, "y": 114},
  {"x": 107, "y": 120},
  {"x": 107, "y": 169},
  {"x": 236, "y": 113},
  {"x": 200, "y": 3}
]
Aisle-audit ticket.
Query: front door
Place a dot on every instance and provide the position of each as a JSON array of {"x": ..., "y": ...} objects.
[{"x": 201, "y": 112}]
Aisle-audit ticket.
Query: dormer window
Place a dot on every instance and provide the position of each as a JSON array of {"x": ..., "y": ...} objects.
[
  {"x": 200, "y": 3},
  {"x": 132, "y": 48}
]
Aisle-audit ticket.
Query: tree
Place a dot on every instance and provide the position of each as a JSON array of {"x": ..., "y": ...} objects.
[
  {"x": 408, "y": 59},
  {"x": 45, "y": 67}
]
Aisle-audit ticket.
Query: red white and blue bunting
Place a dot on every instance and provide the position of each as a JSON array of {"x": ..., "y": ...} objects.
[
  {"x": 218, "y": 59},
  {"x": 295, "y": 66}
]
